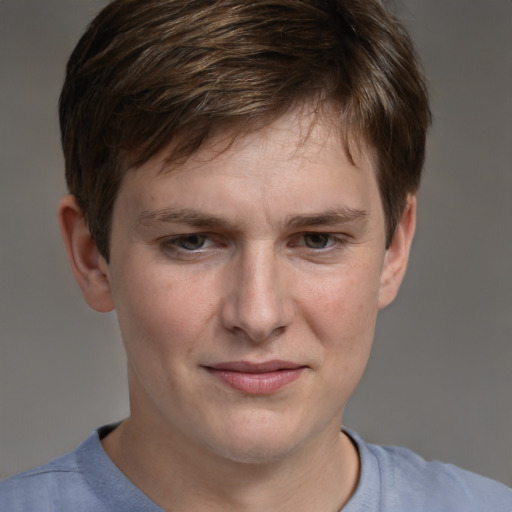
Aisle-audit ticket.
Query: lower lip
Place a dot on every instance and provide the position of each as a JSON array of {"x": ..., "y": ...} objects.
[{"x": 258, "y": 383}]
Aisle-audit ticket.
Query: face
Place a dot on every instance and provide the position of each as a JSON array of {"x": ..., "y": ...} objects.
[{"x": 247, "y": 284}]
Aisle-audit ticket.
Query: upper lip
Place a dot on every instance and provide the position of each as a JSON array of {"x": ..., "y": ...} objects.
[{"x": 254, "y": 367}]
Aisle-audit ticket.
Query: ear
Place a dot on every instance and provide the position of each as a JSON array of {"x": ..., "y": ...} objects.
[
  {"x": 397, "y": 254},
  {"x": 89, "y": 267}
]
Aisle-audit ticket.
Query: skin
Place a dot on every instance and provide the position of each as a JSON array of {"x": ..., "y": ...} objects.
[{"x": 272, "y": 249}]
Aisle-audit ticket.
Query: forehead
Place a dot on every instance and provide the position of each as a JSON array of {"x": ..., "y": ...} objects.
[
  {"x": 301, "y": 133},
  {"x": 303, "y": 158}
]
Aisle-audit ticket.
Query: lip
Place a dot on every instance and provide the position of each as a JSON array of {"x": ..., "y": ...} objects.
[{"x": 256, "y": 378}]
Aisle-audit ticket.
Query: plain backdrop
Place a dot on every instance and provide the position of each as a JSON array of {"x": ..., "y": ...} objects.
[{"x": 440, "y": 378}]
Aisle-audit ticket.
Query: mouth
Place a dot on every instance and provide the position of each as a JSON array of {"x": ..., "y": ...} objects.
[{"x": 256, "y": 378}]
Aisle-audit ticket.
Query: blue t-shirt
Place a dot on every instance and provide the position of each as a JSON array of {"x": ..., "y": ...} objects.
[{"x": 392, "y": 480}]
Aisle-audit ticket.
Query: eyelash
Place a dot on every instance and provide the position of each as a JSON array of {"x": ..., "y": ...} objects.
[
  {"x": 176, "y": 243},
  {"x": 327, "y": 237}
]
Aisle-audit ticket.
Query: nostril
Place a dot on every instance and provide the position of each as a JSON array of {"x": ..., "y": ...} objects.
[{"x": 255, "y": 336}]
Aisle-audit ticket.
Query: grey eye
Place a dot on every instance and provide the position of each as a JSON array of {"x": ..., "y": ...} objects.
[
  {"x": 316, "y": 240},
  {"x": 191, "y": 242}
]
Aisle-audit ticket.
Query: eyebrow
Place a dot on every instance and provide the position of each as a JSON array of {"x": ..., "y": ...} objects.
[
  {"x": 182, "y": 216},
  {"x": 334, "y": 216}
]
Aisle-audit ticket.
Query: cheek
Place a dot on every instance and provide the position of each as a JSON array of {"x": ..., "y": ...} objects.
[
  {"x": 162, "y": 312},
  {"x": 342, "y": 313},
  {"x": 343, "y": 307}
]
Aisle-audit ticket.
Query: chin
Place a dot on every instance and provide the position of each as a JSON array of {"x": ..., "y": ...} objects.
[
  {"x": 252, "y": 452},
  {"x": 259, "y": 442}
]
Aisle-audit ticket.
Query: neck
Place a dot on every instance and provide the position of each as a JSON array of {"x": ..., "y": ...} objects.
[{"x": 321, "y": 475}]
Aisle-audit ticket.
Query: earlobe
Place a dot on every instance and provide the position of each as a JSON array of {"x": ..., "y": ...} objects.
[
  {"x": 89, "y": 267},
  {"x": 397, "y": 255}
]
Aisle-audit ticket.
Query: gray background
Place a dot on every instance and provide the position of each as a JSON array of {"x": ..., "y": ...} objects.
[{"x": 440, "y": 378}]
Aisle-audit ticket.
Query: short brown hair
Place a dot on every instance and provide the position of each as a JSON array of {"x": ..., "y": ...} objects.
[{"x": 148, "y": 72}]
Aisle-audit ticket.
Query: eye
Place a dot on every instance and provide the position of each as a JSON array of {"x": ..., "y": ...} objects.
[
  {"x": 193, "y": 247},
  {"x": 318, "y": 240},
  {"x": 192, "y": 242}
]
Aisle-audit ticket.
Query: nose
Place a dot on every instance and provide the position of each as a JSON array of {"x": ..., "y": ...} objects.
[{"x": 258, "y": 303}]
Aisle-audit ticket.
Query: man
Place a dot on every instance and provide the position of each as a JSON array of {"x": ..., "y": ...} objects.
[{"x": 242, "y": 185}]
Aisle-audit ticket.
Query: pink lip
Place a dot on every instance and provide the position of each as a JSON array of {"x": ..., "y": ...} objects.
[{"x": 256, "y": 378}]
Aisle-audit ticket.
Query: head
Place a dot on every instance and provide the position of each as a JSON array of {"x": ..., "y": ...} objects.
[
  {"x": 149, "y": 74},
  {"x": 243, "y": 177}
]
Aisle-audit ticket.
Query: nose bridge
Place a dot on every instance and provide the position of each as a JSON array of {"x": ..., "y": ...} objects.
[{"x": 259, "y": 304}]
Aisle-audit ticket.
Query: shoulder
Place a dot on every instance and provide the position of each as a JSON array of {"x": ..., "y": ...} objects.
[
  {"x": 32, "y": 490},
  {"x": 58, "y": 485},
  {"x": 417, "y": 484}
]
